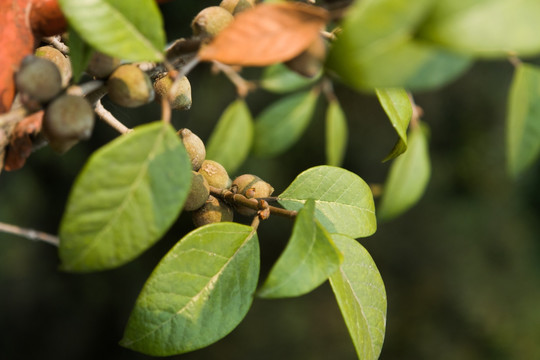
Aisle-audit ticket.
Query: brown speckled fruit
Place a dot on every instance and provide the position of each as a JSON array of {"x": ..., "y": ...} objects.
[
  {"x": 102, "y": 65},
  {"x": 236, "y": 6},
  {"x": 38, "y": 78},
  {"x": 67, "y": 119},
  {"x": 182, "y": 99},
  {"x": 59, "y": 59},
  {"x": 129, "y": 86},
  {"x": 251, "y": 186},
  {"x": 210, "y": 21},
  {"x": 194, "y": 147},
  {"x": 214, "y": 210},
  {"x": 215, "y": 174},
  {"x": 198, "y": 194}
]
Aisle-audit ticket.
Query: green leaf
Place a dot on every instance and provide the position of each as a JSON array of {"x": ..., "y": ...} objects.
[
  {"x": 408, "y": 177},
  {"x": 523, "y": 119},
  {"x": 281, "y": 124},
  {"x": 336, "y": 133},
  {"x": 361, "y": 296},
  {"x": 120, "y": 28},
  {"x": 343, "y": 201},
  {"x": 80, "y": 54},
  {"x": 307, "y": 261},
  {"x": 198, "y": 293},
  {"x": 128, "y": 194},
  {"x": 485, "y": 28},
  {"x": 398, "y": 108},
  {"x": 231, "y": 139},
  {"x": 377, "y": 48},
  {"x": 279, "y": 78}
]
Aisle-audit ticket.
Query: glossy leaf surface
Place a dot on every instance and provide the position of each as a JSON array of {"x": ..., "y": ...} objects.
[
  {"x": 336, "y": 133},
  {"x": 378, "y": 49},
  {"x": 231, "y": 138},
  {"x": 118, "y": 28},
  {"x": 198, "y": 293},
  {"x": 398, "y": 108},
  {"x": 408, "y": 176},
  {"x": 523, "y": 119},
  {"x": 281, "y": 124},
  {"x": 125, "y": 198},
  {"x": 279, "y": 78},
  {"x": 308, "y": 260},
  {"x": 343, "y": 201},
  {"x": 485, "y": 28},
  {"x": 361, "y": 296}
]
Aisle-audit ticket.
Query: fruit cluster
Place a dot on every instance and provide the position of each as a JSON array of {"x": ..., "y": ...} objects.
[{"x": 210, "y": 175}]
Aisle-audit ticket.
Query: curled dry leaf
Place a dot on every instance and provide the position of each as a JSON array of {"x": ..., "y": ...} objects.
[
  {"x": 266, "y": 34},
  {"x": 20, "y": 145}
]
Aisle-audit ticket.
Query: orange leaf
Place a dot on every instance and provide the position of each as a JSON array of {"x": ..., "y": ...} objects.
[
  {"x": 16, "y": 41},
  {"x": 266, "y": 34}
]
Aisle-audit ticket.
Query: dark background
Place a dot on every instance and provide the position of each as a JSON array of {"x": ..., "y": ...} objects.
[{"x": 461, "y": 269}]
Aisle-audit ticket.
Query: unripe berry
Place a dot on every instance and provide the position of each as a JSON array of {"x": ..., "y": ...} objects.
[
  {"x": 236, "y": 6},
  {"x": 215, "y": 174},
  {"x": 194, "y": 147},
  {"x": 182, "y": 99},
  {"x": 310, "y": 62},
  {"x": 102, "y": 65},
  {"x": 214, "y": 210},
  {"x": 251, "y": 186},
  {"x": 198, "y": 194},
  {"x": 67, "y": 119},
  {"x": 129, "y": 86},
  {"x": 59, "y": 59},
  {"x": 210, "y": 21},
  {"x": 38, "y": 78}
]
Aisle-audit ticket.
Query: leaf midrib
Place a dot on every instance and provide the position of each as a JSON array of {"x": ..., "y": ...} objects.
[{"x": 129, "y": 195}]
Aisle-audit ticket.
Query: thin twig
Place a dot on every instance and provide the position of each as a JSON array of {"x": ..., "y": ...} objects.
[
  {"x": 417, "y": 112},
  {"x": 243, "y": 87},
  {"x": 29, "y": 234},
  {"x": 56, "y": 41},
  {"x": 109, "y": 118},
  {"x": 165, "y": 110},
  {"x": 253, "y": 203}
]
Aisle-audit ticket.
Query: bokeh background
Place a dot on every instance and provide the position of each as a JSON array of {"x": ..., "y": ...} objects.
[{"x": 461, "y": 269}]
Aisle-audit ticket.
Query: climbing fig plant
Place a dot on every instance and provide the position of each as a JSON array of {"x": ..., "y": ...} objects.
[{"x": 132, "y": 189}]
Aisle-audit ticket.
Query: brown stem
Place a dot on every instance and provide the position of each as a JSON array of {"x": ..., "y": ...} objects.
[
  {"x": 29, "y": 233},
  {"x": 109, "y": 118},
  {"x": 254, "y": 203},
  {"x": 243, "y": 87}
]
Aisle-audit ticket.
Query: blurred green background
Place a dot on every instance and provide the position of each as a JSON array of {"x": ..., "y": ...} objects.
[{"x": 461, "y": 269}]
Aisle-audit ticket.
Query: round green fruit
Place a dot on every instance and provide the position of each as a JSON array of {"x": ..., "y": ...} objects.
[
  {"x": 215, "y": 174},
  {"x": 194, "y": 147},
  {"x": 236, "y": 6},
  {"x": 214, "y": 210},
  {"x": 59, "y": 59},
  {"x": 129, "y": 86},
  {"x": 181, "y": 100},
  {"x": 67, "y": 120},
  {"x": 211, "y": 21},
  {"x": 198, "y": 193},
  {"x": 102, "y": 65},
  {"x": 38, "y": 78}
]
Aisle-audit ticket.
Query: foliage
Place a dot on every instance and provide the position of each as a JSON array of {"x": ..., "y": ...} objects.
[{"x": 132, "y": 189}]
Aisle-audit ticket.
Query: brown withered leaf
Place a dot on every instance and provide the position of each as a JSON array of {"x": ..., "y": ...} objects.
[
  {"x": 266, "y": 34},
  {"x": 20, "y": 145}
]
